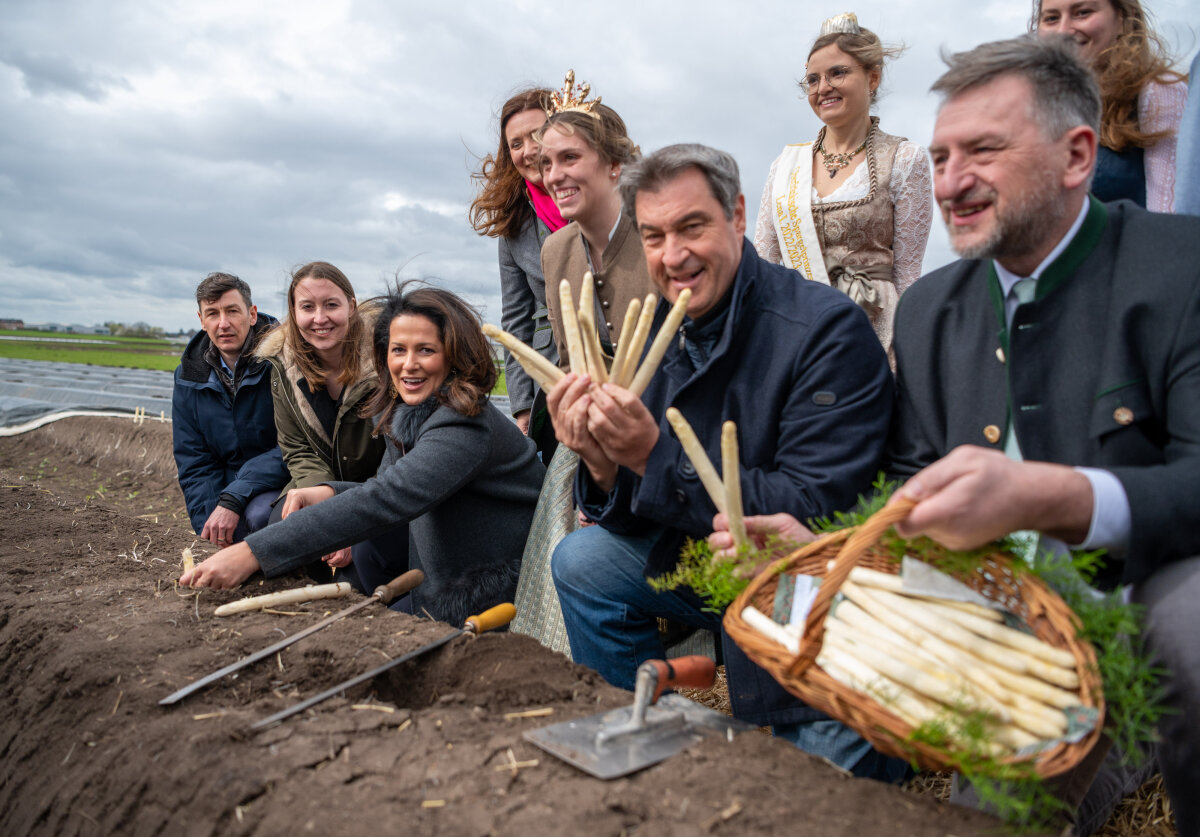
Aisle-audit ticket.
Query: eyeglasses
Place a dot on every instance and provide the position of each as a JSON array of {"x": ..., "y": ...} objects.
[{"x": 834, "y": 75}]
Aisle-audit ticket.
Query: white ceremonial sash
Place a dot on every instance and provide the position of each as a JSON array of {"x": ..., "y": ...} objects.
[{"x": 794, "y": 227}]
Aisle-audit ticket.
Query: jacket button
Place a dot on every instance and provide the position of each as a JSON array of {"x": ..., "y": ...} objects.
[
  {"x": 599, "y": 283},
  {"x": 687, "y": 469},
  {"x": 681, "y": 495},
  {"x": 604, "y": 303},
  {"x": 1123, "y": 416},
  {"x": 609, "y": 326},
  {"x": 992, "y": 433}
]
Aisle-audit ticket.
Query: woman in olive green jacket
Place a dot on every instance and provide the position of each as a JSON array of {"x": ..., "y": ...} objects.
[{"x": 322, "y": 376}]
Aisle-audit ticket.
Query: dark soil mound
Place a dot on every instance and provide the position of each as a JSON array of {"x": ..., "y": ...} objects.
[{"x": 93, "y": 633}]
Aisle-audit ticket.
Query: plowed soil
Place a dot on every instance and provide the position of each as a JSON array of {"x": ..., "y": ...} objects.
[{"x": 93, "y": 632}]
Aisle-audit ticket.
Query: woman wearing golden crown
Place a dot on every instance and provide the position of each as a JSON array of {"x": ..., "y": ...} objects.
[
  {"x": 853, "y": 208},
  {"x": 584, "y": 146}
]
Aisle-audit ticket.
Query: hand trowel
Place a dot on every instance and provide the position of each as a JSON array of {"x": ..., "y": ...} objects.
[{"x": 621, "y": 741}]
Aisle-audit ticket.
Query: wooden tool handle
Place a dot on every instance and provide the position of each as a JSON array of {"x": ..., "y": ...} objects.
[
  {"x": 694, "y": 672},
  {"x": 492, "y": 618},
  {"x": 398, "y": 586}
]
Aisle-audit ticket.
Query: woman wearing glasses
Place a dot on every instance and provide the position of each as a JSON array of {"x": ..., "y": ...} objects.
[{"x": 852, "y": 209}]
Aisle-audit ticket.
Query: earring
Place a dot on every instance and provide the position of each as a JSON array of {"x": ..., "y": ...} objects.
[{"x": 392, "y": 391}]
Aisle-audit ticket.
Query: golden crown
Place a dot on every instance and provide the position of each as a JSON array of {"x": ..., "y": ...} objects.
[{"x": 572, "y": 97}]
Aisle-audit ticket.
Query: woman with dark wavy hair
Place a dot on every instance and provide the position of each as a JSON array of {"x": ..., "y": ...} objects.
[
  {"x": 514, "y": 207},
  {"x": 1143, "y": 98},
  {"x": 455, "y": 493}
]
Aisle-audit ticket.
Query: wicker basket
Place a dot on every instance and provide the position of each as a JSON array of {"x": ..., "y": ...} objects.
[{"x": 1024, "y": 595}]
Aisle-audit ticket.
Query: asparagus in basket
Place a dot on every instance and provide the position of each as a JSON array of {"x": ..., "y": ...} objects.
[{"x": 922, "y": 657}]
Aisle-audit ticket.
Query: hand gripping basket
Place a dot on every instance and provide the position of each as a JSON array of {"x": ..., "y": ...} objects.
[{"x": 1024, "y": 595}]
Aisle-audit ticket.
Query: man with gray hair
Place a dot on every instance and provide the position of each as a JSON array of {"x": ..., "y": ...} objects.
[
  {"x": 794, "y": 363},
  {"x": 1050, "y": 380}
]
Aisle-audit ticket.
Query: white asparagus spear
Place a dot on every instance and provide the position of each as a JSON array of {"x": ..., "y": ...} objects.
[
  {"x": 976, "y": 610},
  {"x": 284, "y": 597},
  {"x": 1018, "y": 661},
  {"x": 540, "y": 369},
  {"x": 189, "y": 562},
  {"x": 575, "y": 354},
  {"x": 881, "y": 623},
  {"x": 1007, "y": 636},
  {"x": 637, "y": 343},
  {"x": 903, "y": 651},
  {"x": 895, "y": 584},
  {"x": 909, "y": 706},
  {"x": 906, "y": 675},
  {"x": 700, "y": 461},
  {"x": 627, "y": 328},
  {"x": 1037, "y": 718},
  {"x": 731, "y": 475},
  {"x": 587, "y": 329},
  {"x": 922, "y": 634},
  {"x": 661, "y": 341},
  {"x": 980, "y": 671},
  {"x": 769, "y": 628}
]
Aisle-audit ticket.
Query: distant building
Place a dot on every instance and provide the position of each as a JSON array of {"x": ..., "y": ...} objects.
[{"x": 12, "y": 325}]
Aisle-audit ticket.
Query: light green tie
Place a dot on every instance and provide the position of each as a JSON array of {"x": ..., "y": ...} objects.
[{"x": 1026, "y": 541}]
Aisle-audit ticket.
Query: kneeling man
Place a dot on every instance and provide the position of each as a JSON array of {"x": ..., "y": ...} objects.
[
  {"x": 223, "y": 419},
  {"x": 794, "y": 363}
]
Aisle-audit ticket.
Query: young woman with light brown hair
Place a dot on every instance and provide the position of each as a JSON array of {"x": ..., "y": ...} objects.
[{"x": 1143, "y": 97}]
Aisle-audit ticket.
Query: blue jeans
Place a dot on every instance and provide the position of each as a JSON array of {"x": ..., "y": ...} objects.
[
  {"x": 609, "y": 610},
  {"x": 611, "y": 617}
]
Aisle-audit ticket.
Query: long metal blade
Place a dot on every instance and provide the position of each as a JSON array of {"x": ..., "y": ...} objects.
[
  {"x": 354, "y": 681},
  {"x": 264, "y": 653}
]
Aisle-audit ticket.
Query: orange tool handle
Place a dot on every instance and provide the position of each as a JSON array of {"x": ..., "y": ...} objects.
[
  {"x": 694, "y": 672},
  {"x": 490, "y": 619},
  {"x": 398, "y": 586}
]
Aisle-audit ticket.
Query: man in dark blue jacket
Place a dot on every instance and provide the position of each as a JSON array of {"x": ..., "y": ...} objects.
[
  {"x": 794, "y": 363},
  {"x": 230, "y": 467}
]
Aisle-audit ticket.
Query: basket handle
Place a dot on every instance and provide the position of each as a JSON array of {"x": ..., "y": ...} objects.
[{"x": 853, "y": 549}]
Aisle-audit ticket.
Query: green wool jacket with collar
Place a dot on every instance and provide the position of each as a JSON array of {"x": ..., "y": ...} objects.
[{"x": 352, "y": 454}]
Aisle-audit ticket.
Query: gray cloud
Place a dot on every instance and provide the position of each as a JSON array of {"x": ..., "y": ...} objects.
[{"x": 142, "y": 146}]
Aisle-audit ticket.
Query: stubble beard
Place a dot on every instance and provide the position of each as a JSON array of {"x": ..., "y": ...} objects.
[{"x": 1019, "y": 230}]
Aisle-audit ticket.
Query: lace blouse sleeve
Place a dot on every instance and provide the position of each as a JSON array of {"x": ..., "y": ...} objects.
[
  {"x": 1160, "y": 108},
  {"x": 912, "y": 199},
  {"x": 766, "y": 242}
]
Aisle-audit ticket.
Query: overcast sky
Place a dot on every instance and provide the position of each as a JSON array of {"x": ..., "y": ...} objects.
[{"x": 145, "y": 144}]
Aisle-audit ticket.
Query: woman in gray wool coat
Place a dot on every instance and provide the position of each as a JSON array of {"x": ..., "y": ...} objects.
[{"x": 457, "y": 475}]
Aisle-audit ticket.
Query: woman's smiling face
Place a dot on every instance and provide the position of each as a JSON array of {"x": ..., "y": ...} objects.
[
  {"x": 417, "y": 359},
  {"x": 843, "y": 102},
  {"x": 579, "y": 179},
  {"x": 322, "y": 313},
  {"x": 1093, "y": 24}
]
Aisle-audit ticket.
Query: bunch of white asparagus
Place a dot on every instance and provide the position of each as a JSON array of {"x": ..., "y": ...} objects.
[
  {"x": 926, "y": 659},
  {"x": 583, "y": 341}
]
